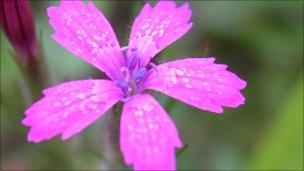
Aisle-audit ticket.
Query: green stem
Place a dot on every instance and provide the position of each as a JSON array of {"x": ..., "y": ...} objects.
[
  {"x": 110, "y": 139},
  {"x": 34, "y": 75}
]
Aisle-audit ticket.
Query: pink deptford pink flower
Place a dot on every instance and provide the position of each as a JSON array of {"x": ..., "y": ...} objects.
[{"x": 148, "y": 137}]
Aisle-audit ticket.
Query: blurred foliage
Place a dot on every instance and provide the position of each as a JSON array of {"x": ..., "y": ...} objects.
[
  {"x": 260, "y": 41},
  {"x": 282, "y": 147}
]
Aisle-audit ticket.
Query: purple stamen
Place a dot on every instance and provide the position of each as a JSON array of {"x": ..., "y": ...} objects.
[{"x": 132, "y": 73}]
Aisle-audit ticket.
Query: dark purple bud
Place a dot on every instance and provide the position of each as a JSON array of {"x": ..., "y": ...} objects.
[{"x": 17, "y": 22}]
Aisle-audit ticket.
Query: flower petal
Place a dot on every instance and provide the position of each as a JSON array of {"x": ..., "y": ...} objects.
[
  {"x": 83, "y": 30},
  {"x": 156, "y": 28},
  {"x": 69, "y": 107},
  {"x": 147, "y": 135},
  {"x": 198, "y": 82}
]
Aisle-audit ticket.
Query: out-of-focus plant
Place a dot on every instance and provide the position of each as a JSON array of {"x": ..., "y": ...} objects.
[
  {"x": 17, "y": 23},
  {"x": 283, "y": 147}
]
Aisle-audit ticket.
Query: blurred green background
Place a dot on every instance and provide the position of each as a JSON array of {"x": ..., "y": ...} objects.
[{"x": 260, "y": 41}]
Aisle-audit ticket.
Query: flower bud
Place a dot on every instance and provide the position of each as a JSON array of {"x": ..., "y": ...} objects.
[{"x": 17, "y": 22}]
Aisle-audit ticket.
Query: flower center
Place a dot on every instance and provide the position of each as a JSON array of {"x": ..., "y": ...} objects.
[{"x": 132, "y": 72}]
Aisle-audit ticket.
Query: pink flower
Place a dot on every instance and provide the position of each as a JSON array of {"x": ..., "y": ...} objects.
[{"x": 148, "y": 136}]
